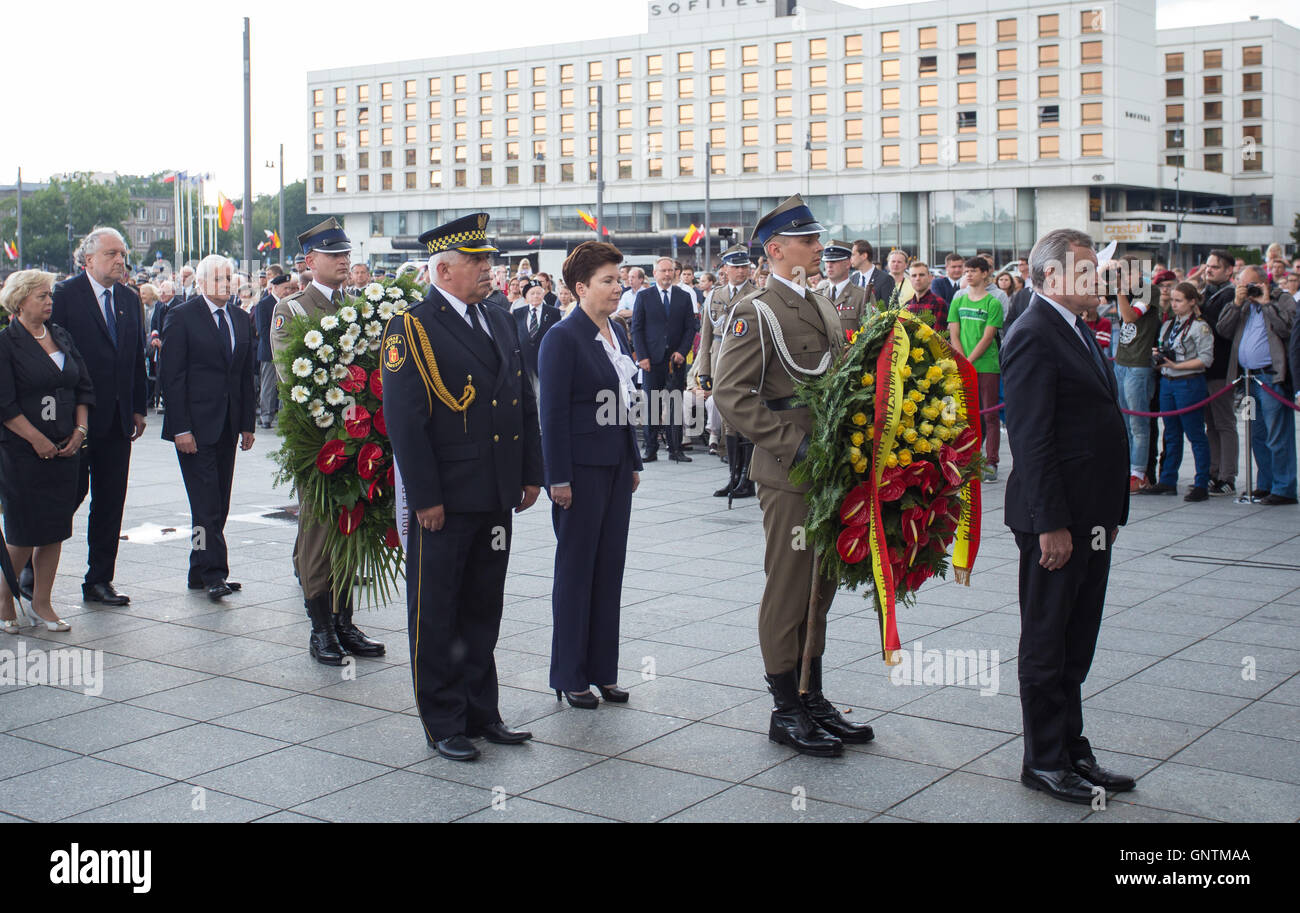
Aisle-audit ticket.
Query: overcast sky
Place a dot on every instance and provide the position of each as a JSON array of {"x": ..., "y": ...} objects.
[{"x": 140, "y": 86}]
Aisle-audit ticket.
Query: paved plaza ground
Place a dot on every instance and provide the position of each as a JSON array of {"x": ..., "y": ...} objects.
[{"x": 217, "y": 713}]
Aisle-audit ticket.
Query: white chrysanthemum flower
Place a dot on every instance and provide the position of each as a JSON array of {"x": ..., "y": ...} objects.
[
  {"x": 414, "y": 296},
  {"x": 374, "y": 345},
  {"x": 353, "y": 329},
  {"x": 345, "y": 345},
  {"x": 302, "y": 367},
  {"x": 313, "y": 339},
  {"x": 334, "y": 396},
  {"x": 299, "y": 394},
  {"x": 320, "y": 377},
  {"x": 348, "y": 314},
  {"x": 315, "y": 408},
  {"x": 367, "y": 310},
  {"x": 338, "y": 372},
  {"x": 329, "y": 322},
  {"x": 347, "y": 358},
  {"x": 374, "y": 291},
  {"x": 374, "y": 328},
  {"x": 385, "y": 311},
  {"x": 395, "y": 293},
  {"x": 324, "y": 420},
  {"x": 325, "y": 353}
]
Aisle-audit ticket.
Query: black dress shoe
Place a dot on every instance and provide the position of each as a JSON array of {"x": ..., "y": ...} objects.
[
  {"x": 103, "y": 592},
  {"x": 1258, "y": 493},
  {"x": 218, "y": 590},
  {"x": 649, "y": 457},
  {"x": 500, "y": 733},
  {"x": 790, "y": 723},
  {"x": 1065, "y": 785},
  {"x": 235, "y": 586},
  {"x": 1159, "y": 489},
  {"x": 1097, "y": 775},
  {"x": 456, "y": 748},
  {"x": 679, "y": 457},
  {"x": 1275, "y": 500},
  {"x": 613, "y": 694},
  {"x": 583, "y": 701}
]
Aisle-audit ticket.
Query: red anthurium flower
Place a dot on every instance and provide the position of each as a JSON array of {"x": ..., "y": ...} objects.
[
  {"x": 350, "y": 520},
  {"x": 892, "y": 484},
  {"x": 355, "y": 381},
  {"x": 914, "y": 526},
  {"x": 924, "y": 475},
  {"x": 392, "y": 483},
  {"x": 369, "y": 458},
  {"x": 332, "y": 455},
  {"x": 376, "y": 384},
  {"x": 380, "y": 425},
  {"x": 917, "y": 576},
  {"x": 357, "y": 421},
  {"x": 966, "y": 445},
  {"x": 391, "y": 538},
  {"x": 852, "y": 544},
  {"x": 854, "y": 511},
  {"x": 376, "y": 490},
  {"x": 950, "y": 465}
]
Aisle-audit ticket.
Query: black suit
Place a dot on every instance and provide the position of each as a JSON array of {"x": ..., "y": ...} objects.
[
  {"x": 474, "y": 463},
  {"x": 531, "y": 344},
  {"x": 656, "y": 334},
  {"x": 116, "y": 367},
  {"x": 209, "y": 390},
  {"x": 1070, "y": 454},
  {"x": 882, "y": 284}
]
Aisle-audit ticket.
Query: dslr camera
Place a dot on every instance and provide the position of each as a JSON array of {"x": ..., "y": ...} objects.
[{"x": 1162, "y": 354}]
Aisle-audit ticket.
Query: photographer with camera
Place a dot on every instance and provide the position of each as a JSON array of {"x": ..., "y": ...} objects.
[
  {"x": 1259, "y": 323},
  {"x": 1184, "y": 350}
]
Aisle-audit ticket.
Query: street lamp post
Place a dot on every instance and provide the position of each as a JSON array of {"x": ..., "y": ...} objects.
[{"x": 280, "y": 233}]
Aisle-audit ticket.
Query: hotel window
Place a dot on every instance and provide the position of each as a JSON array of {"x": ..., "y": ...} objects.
[
  {"x": 435, "y": 133},
  {"x": 539, "y": 76},
  {"x": 783, "y": 51},
  {"x": 1007, "y": 90},
  {"x": 408, "y": 111},
  {"x": 749, "y": 109},
  {"x": 340, "y": 162},
  {"x": 1049, "y": 115},
  {"x": 318, "y": 163},
  {"x": 717, "y": 110},
  {"x": 889, "y": 69},
  {"x": 685, "y": 60},
  {"x": 1252, "y": 82},
  {"x": 889, "y": 42},
  {"x": 1090, "y": 144},
  {"x": 784, "y": 160},
  {"x": 460, "y": 131},
  {"x": 566, "y": 171},
  {"x": 318, "y": 118},
  {"x": 816, "y": 48},
  {"x": 784, "y": 79},
  {"x": 927, "y": 124},
  {"x": 539, "y": 174},
  {"x": 566, "y": 98},
  {"x": 685, "y": 165},
  {"x": 1049, "y": 147},
  {"x": 927, "y": 66},
  {"x": 539, "y": 124},
  {"x": 1006, "y": 30},
  {"x": 784, "y": 106},
  {"x": 1006, "y": 118},
  {"x": 485, "y": 152},
  {"x": 386, "y": 158},
  {"x": 749, "y": 81},
  {"x": 927, "y": 96},
  {"x": 749, "y": 135},
  {"x": 1252, "y": 107},
  {"x": 1008, "y": 149},
  {"x": 1090, "y": 52},
  {"x": 566, "y": 72},
  {"x": 435, "y": 85},
  {"x": 1090, "y": 21},
  {"x": 1212, "y": 60},
  {"x": 817, "y": 76},
  {"x": 654, "y": 116},
  {"x": 1049, "y": 55},
  {"x": 852, "y": 45},
  {"x": 624, "y": 93},
  {"x": 566, "y": 147},
  {"x": 318, "y": 97},
  {"x": 685, "y": 114},
  {"x": 1090, "y": 83},
  {"x": 363, "y": 116},
  {"x": 460, "y": 179},
  {"x": 512, "y": 102},
  {"x": 1252, "y": 56},
  {"x": 625, "y": 119},
  {"x": 927, "y": 37},
  {"x": 459, "y": 84},
  {"x": 749, "y": 163},
  {"x": 685, "y": 87},
  {"x": 1213, "y": 110},
  {"x": 625, "y": 144},
  {"x": 654, "y": 63},
  {"x": 1254, "y": 132},
  {"x": 966, "y": 93},
  {"x": 888, "y": 156},
  {"x": 512, "y": 174},
  {"x": 967, "y": 121},
  {"x": 817, "y": 159},
  {"x": 592, "y": 171},
  {"x": 340, "y": 118},
  {"x": 410, "y": 180},
  {"x": 485, "y": 104},
  {"x": 435, "y": 156},
  {"x": 512, "y": 152},
  {"x": 783, "y": 134},
  {"x": 718, "y": 164},
  {"x": 595, "y": 71},
  {"x": 624, "y": 67},
  {"x": 686, "y": 139},
  {"x": 817, "y": 130},
  {"x": 1174, "y": 63},
  {"x": 889, "y": 126},
  {"x": 591, "y": 145},
  {"x": 435, "y": 178},
  {"x": 1173, "y": 114},
  {"x": 1173, "y": 88},
  {"x": 749, "y": 55},
  {"x": 717, "y": 58},
  {"x": 966, "y": 63},
  {"x": 1213, "y": 137},
  {"x": 460, "y": 154},
  {"x": 460, "y": 107},
  {"x": 512, "y": 126},
  {"x": 853, "y": 101},
  {"x": 1049, "y": 86},
  {"x": 853, "y": 157},
  {"x": 317, "y": 185},
  {"x": 717, "y": 85},
  {"x": 889, "y": 98},
  {"x": 410, "y": 134},
  {"x": 566, "y": 123},
  {"x": 1213, "y": 85},
  {"x": 485, "y": 82},
  {"x": 341, "y": 183},
  {"x": 341, "y": 95},
  {"x": 654, "y": 90},
  {"x": 386, "y": 114},
  {"x": 1254, "y": 163},
  {"x": 718, "y": 137},
  {"x": 363, "y": 138},
  {"x": 1090, "y": 113},
  {"x": 966, "y": 150},
  {"x": 363, "y": 94},
  {"x": 512, "y": 79},
  {"x": 539, "y": 100},
  {"x": 853, "y": 128},
  {"x": 654, "y": 168},
  {"x": 1214, "y": 161},
  {"x": 966, "y": 33}
]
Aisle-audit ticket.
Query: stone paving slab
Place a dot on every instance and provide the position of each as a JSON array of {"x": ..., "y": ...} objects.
[{"x": 216, "y": 712}]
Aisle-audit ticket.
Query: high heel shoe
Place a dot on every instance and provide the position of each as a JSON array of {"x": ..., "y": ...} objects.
[
  {"x": 584, "y": 701},
  {"x": 614, "y": 694},
  {"x": 11, "y": 625},
  {"x": 57, "y": 625}
]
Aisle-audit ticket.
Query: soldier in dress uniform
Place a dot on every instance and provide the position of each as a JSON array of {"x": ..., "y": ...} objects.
[
  {"x": 774, "y": 337},
  {"x": 326, "y": 250},
  {"x": 851, "y": 301},
  {"x": 736, "y": 266},
  {"x": 462, "y": 418}
]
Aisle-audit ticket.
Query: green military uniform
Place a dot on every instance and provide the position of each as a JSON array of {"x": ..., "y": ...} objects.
[
  {"x": 774, "y": 337},
  {"x": 853, "y": 303}
]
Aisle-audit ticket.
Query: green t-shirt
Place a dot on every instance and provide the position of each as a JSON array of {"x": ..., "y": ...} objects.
[
  {"x": 1137, "y": 339},
  {"x": 974, "y": 317}
]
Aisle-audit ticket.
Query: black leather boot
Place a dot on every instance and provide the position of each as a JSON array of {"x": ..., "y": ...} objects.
[
  {"x": 352, "y": 638},
  {"x": 791, "y": 725},
  {"x": 324, "y": 644},
  {"x": 733, "y": 460},
  {"x": 743, "y": 488},
  {"x": 825, "y": 714}
]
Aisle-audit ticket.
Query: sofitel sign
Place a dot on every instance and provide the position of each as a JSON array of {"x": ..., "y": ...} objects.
[{"x": 676, "y": 7}]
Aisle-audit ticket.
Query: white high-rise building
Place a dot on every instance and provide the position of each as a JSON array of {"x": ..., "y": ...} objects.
[{"x": 967, "y": 125}]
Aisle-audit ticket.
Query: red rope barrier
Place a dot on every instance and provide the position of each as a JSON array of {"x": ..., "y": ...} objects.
[
  {"x": 1273, "y": 393},
  {"x": 1201, "y": 405}
]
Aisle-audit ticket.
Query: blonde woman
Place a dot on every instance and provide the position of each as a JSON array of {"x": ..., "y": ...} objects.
[{"x": 45, "y": 400}]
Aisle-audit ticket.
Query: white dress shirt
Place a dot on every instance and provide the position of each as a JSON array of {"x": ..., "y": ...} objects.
[
  {"x": 838, "y": 288},
  {"x": 463, "y": 310},
  {"x": 790, "y": 284},
  {"x": 326, "y": 290},
  {"x": 99, "y": 295},
  {"x": 213, "y": 307},
  {"x": 1068, "y": 316}
]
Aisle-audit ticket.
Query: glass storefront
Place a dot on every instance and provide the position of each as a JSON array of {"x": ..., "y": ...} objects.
[
  {"x": 886, "y": 220},
  {"x": 999, "y": 221}
]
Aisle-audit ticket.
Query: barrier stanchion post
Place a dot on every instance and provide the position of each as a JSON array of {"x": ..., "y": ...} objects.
[{"x": 1248, "y": 407}]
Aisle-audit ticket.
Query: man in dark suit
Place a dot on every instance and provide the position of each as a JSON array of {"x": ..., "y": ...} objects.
[
  {"x": 532, "y": 320},
  {"x": 463, "y": 423},
  {"x": 954, "y": 267},
  {"x": 663, "y": 330},
  {"x": 1066, "y": 498},
  {"x": 269, "y": 392},
  {"x": 104, "y": 318},
  {"x": 878, "y": 283},
  {"x": 206, "y": 354}
]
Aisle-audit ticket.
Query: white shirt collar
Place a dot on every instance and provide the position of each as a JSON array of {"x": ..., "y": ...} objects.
[
  {"x": 838, "y": 287},
  {"x": 324, "y": 290},
  {"x": 213, "y": 307},
  {"x": 1066, "y": 315},
  {"x": 98, "y": 289},
  {"x": 463, "y": 309},
  {"x": 790, "y": 284}
]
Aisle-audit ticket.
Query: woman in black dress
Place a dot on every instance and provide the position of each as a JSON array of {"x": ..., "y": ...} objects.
[{"x": 45, "y": 399}]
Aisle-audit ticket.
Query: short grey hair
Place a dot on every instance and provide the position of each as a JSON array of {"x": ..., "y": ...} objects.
[
  {"x": 1054, "y": 247},
  {"x": 209, "y": 265},
  {"x": 91, "y": 242},
  {"x": 1260, "y": 274},
  {"x": 444, "y": 256}
]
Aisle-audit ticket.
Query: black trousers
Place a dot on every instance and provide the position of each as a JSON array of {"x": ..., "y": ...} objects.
[
  {"x": 590, "y": 551},
  {"x": 105, "y": 466},
  {"x": 1060, "y": 615},
  {"x": 208, "y": 474},
  {"x": 661, "y": 379},
  {"x": 455, "y": 588}
]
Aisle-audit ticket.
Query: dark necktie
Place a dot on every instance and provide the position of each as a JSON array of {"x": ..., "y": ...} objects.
[
  {"x": 475, "y": 321},
  {"x": 532, "y": 321},
  {"x": 222, "y": 328},
  {"x": 110, "y": 317},
  {"x": 1086, "y": 335},
  {"x": 667, "y": 306}
]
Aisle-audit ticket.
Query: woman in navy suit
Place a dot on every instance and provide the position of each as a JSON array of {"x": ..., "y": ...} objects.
[{"x": 592, "y": 465}]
